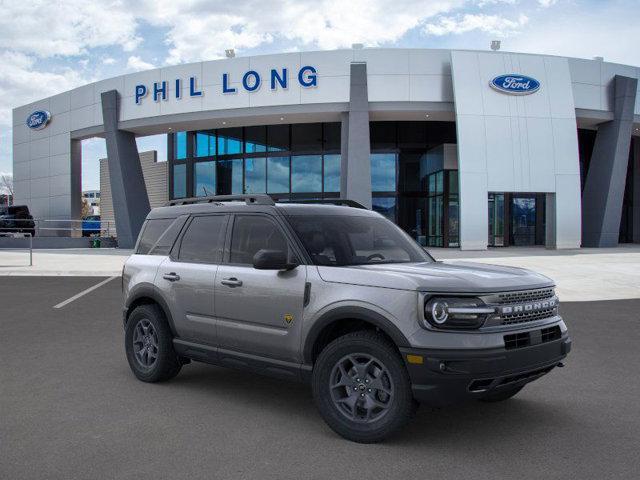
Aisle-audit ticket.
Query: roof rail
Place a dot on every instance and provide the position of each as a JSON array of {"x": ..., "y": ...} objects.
[
  {"x": 260, "y": 199},
  {"x": 329, "y": 201}
]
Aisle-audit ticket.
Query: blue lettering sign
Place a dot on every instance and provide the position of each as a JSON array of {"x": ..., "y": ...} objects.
[
  {"x": 251, "y": 86},
  {"x": 225, "y": 84},
  {"x": 141, "y": 92},
  {"x": 157, "y": 90},
  {"x": 515, "y": 84},
  {"x": 309, "y": 80},
  {"x": 275, "y": 77},
  {"x": 192, "y": 88}
]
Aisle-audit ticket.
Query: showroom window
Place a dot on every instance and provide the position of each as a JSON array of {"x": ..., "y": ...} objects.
[{"x": 285, "y": 161}]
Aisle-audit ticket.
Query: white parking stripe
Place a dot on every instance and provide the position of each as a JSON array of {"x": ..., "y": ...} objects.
[{"x": 84, "y": 292}]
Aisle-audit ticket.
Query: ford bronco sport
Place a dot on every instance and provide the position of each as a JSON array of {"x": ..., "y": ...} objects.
[{"x": 337, "y": 296}]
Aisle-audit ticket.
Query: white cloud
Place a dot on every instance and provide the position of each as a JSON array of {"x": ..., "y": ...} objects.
[
  {"x": 108, "y": 61},
  {"x": 46, "y": 28},
  {"x": 547, "y": 3},
  {"x": 202, "y": 31},
  {"x": 491, "y": 24},
  {"x": 135, "y": 63}
]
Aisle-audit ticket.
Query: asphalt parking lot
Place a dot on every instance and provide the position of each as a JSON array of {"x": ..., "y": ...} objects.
[{"x": 70, "y": 408}]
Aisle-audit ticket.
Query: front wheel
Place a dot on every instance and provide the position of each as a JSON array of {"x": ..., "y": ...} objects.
[
  {"x": 362, "y": 388},
  {"x": 149, "y": 345}
]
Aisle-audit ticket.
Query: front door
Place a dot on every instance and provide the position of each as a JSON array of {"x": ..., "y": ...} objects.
[
  {"x": 523, "y": 220},
  {"x": 259, "y": 311},
  {"x": 187, "y": 278}
]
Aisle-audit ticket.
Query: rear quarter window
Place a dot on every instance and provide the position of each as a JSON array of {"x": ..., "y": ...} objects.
[{"x": 151, "y": 233}]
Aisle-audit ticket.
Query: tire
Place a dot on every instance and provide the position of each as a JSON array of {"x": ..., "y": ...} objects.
[
  {"x": 501, "y": 395},
  {"x": 351, "y": 408},
  {"x": 147, "y": 328}
]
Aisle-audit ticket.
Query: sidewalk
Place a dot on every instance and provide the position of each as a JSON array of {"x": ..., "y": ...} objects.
[{"x": 580, "y": 275}]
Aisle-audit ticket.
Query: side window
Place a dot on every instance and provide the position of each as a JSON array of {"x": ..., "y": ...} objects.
[
  {"x": 204, "y": 239},
  {"x": 152, "y": 231},
  {"x": 252, "y": 233},
  {"x": 168, "y": 238}
]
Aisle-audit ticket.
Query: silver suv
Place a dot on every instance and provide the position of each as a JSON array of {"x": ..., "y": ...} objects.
[{"x": 337, "y": 296}]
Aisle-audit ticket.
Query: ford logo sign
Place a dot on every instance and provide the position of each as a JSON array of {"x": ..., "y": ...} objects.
[
  {"x": 515, "y": 84},
  {"x": 38, "y": 119}
]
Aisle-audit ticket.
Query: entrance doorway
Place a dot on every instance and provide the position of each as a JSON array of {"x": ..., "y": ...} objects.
[{"x": 516, "y": 219}]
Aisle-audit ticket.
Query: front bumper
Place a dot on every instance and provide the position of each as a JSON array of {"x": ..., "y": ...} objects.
[{"x": 448, "y": 376}]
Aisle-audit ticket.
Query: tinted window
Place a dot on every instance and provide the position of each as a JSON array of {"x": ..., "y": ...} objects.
[
  {"x": 255, "y": 175},
  {"x": 306, "y": 173},
  {"x": 180, "y": 146},
  {"x": 168, "y": 238},
  {"x": 306, "y": 136},
  {"x": 383, "y": 172},
  {"x": 205, "y": 144},
  {"x": 203, "y": 240},
  {"x": 229, "y": 176},
  {"x": 278, "y": 137},
  {"x": 278, "y": 174},
  {"x": 229, "y": 141},
  {"x": 180, "y": 180},
  {"x": 355, "y": 240},
  {"x": 332, "y": 173},
  {"x": 255, "y": 139},
  {"x": 151, "y": 233},
  {"x": 252, "y": 233}
]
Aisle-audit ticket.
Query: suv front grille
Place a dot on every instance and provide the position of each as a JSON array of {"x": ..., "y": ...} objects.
[
  {"x": 525, "y": 296},
  {"x": 523, "y": 317}
]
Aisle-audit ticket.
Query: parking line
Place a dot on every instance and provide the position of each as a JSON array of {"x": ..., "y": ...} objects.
[{"x": 84, "y": 292}]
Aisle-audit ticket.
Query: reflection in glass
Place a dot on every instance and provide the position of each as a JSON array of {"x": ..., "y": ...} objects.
[
  {"x": 180, "y": 146},
  {"x": 306, "y": 137},
  {"x": 180, "y": 180},
  {"x": 385, "y": 206},
  {"x": 306, "y": 173},
  {"x": 204, "y": 179},
  {"x": 255, "y": 175},
  {"x": 229, "y": 175},
  {"x": 332, "y": 173},
  {"x": 205, "y": 144},
  {"x": 383, "y": 172},
  {"x": 278, "y": 174},
  {"x": 229, "y": 141},
  {"x": 255, "y": 139}
]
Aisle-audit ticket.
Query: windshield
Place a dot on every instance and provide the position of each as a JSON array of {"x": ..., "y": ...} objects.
[{"x": 340, "y": 240}]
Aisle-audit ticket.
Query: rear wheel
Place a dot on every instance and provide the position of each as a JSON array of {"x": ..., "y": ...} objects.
[
  {"x": 149, "y": 345},
  {"x": 501, "y": 395},
  {"x": 362, "y": 388}
]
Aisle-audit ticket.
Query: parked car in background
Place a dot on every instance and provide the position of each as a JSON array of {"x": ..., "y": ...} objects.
[
  {"x": 91, "y": 225},
  {"x": 17, "y": 219}
]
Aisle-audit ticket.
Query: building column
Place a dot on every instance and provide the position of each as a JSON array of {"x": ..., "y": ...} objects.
[
  {"x": 636, "y": 190},
  {"x": 128, "y": 190},
  {"x": 355, "y": 177},
  {"x": 604, "y": 187}
]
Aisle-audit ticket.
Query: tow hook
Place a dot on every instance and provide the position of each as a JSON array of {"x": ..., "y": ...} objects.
[{"x": 560, "y": 365}]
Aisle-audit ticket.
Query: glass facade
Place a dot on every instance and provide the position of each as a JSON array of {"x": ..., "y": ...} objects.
[
  {"x": 285, "y": 161},
  {"x": 411, "y": 185}
]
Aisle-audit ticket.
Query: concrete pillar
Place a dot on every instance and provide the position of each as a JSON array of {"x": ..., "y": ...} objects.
[
  {"x": 604, "y": 187},
  {"x": 636, "y": 190},
  {"x": 129, "y": 193},
  {"x": 355, "y": 177},
  {"x": 550, "y": 229}
]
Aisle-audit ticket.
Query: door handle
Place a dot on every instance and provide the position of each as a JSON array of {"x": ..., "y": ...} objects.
[
  {"x": 172, "y": 277},
  {"x": 231, "y": 282}
]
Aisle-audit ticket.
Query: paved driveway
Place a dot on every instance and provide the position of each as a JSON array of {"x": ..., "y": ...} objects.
[{"x": 70, "y": 408}]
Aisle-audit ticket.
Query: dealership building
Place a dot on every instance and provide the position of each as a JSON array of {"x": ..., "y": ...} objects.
[{"x": 460, "y": 148}]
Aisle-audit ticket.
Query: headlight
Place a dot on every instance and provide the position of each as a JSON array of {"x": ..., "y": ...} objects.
[{"x": 455, "y": 312}]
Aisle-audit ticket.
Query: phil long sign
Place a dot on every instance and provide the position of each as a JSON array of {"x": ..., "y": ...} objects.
[
  {"x": 515, "y": 84},
  {"x": 250, "y": 81}
]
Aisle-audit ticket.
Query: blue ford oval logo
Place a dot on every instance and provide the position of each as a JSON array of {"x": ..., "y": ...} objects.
[
  {"x": 515, "y": 84},
  {"x": 38, "y": 119}
]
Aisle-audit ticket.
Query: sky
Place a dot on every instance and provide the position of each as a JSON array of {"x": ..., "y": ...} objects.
[{"x": 48, "y": 47}]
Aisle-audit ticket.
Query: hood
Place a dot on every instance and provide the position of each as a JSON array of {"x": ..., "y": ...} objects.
[{"x": 460, "y": 277}]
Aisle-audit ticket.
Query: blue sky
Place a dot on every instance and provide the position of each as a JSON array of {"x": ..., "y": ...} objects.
[{"x": 50, "y": 47}]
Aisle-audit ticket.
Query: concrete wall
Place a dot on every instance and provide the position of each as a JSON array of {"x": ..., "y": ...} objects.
[{"x": 155, "y": 175}]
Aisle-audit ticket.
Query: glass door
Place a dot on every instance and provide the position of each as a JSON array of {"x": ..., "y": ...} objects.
[
  {"x": 523, "y": 220},
  {"x": 496, "y": 220}
]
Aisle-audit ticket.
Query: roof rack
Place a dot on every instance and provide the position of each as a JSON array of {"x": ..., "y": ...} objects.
[
  {"x": 329, "y": 201},
  {"x": 261, "y": 199}
]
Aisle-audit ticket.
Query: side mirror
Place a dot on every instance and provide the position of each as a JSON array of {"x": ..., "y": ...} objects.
[{"x": 272, "y": 260}]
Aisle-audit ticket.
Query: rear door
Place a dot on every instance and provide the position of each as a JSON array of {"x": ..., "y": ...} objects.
[
  {"x": 259, "y": 311},
  {"x": 187, "y": 277}
]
